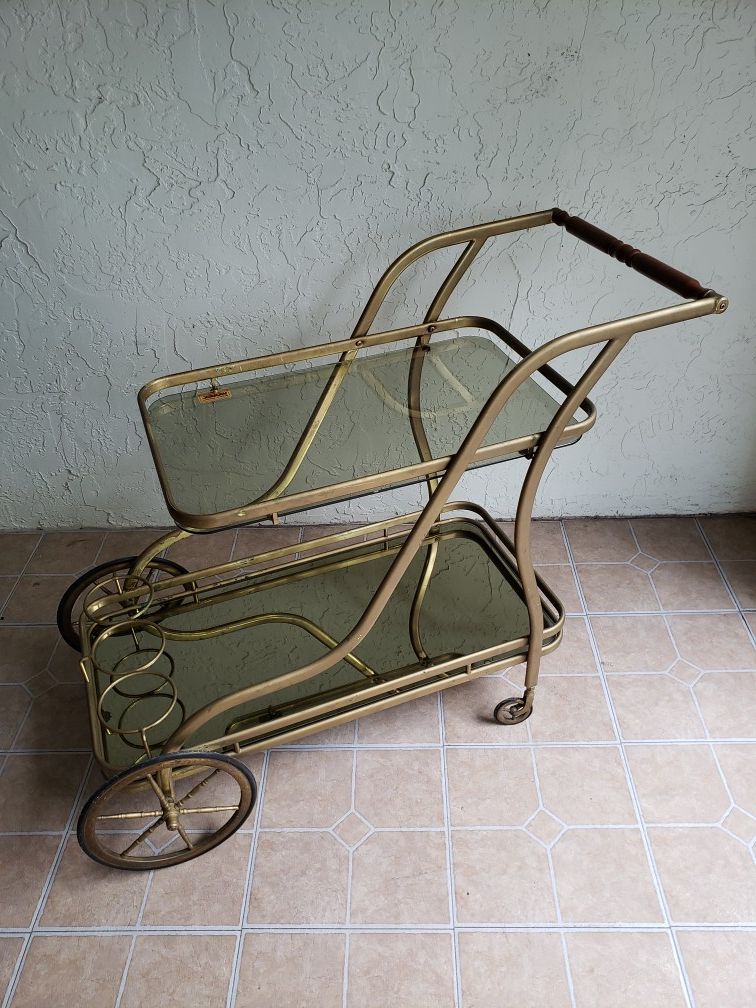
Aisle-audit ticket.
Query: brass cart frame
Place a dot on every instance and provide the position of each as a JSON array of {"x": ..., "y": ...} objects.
[{"x": 161, "y": 616}]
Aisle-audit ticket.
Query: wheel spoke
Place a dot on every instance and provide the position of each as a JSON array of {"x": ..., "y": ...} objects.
[
  {"x": 158, "y": 791},
  {"x": 182, "y": 833},
  {"x": 131, "y": 815},
  {"x": 195, "y": 789},
  {"x": 142, "y": 836},
  {"x": 210, "y": 808}
]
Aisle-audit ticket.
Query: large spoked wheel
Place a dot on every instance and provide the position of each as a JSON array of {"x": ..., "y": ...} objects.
[
  {"x": 166, "y": 810},
  {"x": 105, "y": 579}
]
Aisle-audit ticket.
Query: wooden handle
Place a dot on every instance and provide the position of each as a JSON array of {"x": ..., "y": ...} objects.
[{"x": 682, "y": 284}]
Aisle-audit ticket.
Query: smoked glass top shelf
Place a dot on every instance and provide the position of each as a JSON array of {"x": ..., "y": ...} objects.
[{"x": 275, "y": 435}]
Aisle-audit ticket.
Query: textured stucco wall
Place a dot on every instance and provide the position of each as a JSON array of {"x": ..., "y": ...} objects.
[{"x": 184, "y": 182}]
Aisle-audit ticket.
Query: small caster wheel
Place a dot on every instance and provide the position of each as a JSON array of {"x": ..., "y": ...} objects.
[
  {"x": 107, "y": 574},
  {"x": 512, "y": 711},
  {"x": 166, "y": 810}
]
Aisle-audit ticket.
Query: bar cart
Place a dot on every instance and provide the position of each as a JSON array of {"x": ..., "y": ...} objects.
[{"x": 187, "y": 670}]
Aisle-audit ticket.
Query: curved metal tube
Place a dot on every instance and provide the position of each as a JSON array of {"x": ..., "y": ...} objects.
[{"x": 606, "y": 332}]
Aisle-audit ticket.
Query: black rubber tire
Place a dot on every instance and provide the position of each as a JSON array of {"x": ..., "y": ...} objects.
[
  {"x": 68, "y": 629},
  {"x": 85, "y": 830}
]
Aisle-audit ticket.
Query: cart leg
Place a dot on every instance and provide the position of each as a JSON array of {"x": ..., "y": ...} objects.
[{"x": 174, "y": 536}]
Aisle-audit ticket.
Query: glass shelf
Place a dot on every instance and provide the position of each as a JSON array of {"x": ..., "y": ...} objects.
[
  {"x": 294, "y": 436},
  {"x": 472, "y": 614}
]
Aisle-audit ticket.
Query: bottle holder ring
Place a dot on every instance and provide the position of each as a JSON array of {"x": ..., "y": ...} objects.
[
  {"x": 107, "y": 610},
  {"x": 132, "y": 626},
  {"x": 171, "y": 698}
]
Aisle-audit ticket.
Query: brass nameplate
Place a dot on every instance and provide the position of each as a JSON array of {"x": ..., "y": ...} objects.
[{"x": 212, "y": 394}]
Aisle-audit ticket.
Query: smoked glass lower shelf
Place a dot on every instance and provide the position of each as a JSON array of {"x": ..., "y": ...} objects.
[{"x": 472, "y": 614}]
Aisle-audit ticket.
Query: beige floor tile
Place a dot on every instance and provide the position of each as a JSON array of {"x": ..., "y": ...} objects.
[
  {"x": 491, "y": 787},
  {"x": 400, "y": 971},
  {"x": 14, "y": 705},
  {"x": 65, "y": 552},
  {"x": 15, "y": 550},
  {"x": 597, "y": 540},
  {"x": 468, "y": 712},
  {"x": 179, "y": 970},
  {"x": 25, "y": 652},
  {"x": 251, "y": 542},
  {"x": 311, "y": 788},
  {"x": 199, "y": 551},
  {"x": 574, "y": 656},
  {"x": 9, "y": 952},
  {"x": 670, "y": 538},
  {"x": 742, "y": 578},
  {"x": 633, "y": 643},
  {"x": 412, "y": 723},
  {"x": 750, "y": 619},
  {"x": 85, "y": 894},
  {"x": 528, "y": 967},
  {"x": 721, "y": 967},
  {"x": 546, "y": 541},
  {"x": 690, "y": 586},
  {"x": 728, "y": 703},
  {"x": 708, "y": 876},
  {"x": 570, "y": 709},
  {"x": 290, "y": 970},
  {"x": 713, "y": 641},
  {"x": 35, "y": 599},
  {"x": 299, "y": 878},
  {"x": 603, "y": 877},
  {"x": 732, "y": 537},
  {"x": 401, "y": 878},
  {"x": 658, "y": 771},
  {"x": 654, "y": 707},
  {"x": 64, "y": 665},
  {"x": 585, "y": 786},
  {"x": 619, "y": 970},
  {"x": 310, "y": 532},
  {"x": 616, "y": 588},
  {"x": 37, "y": 792},
  {"x": 6, "y": 587},
  {"x": 121, "y": 543},
  {"x": 57, "y": 720},
  {"x": 342, "y": 734},
  {"x": 738, "y": 763},
  {"x": 205, "y": 892},
  {"x": 561, "y": 580},
  {"x": 24, "y": 864},
  {"x": 80, "y": 970},
  {"x": 400, "y": 789},
  {"x": 501, "y": 877}
]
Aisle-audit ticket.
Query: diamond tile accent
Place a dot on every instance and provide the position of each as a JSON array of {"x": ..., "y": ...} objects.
[
  {"x": 545, "y": 827},
  {"x": 644, "y": 562},
  {"x": 352, "y": 829},
  {"x": 685, "y": 672},
  {"x": 741, "y": 824}
]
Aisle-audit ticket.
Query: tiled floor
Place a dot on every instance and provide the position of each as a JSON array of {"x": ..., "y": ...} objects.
[{"x": 600, "y": 854}]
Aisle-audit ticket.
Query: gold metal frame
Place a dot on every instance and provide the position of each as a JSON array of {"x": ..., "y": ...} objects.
[{"x": 427, "y": 525}]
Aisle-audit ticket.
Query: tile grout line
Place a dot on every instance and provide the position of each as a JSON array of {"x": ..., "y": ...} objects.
[
  {"x": 132, "y": 946},
  {"x": 4, "y": 756},
  {"x": 350, "y": 868},
  {"x": 41, "y": 902},
  {"x": 233, "y": 985},
  {"x": 450, "y": 878},
  {"x": 552, "y": 872},
  {"x": 661, "y": 894}
]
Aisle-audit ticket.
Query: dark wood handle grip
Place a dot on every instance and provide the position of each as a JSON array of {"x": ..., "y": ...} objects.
[{"x": 682, "y": 284}]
